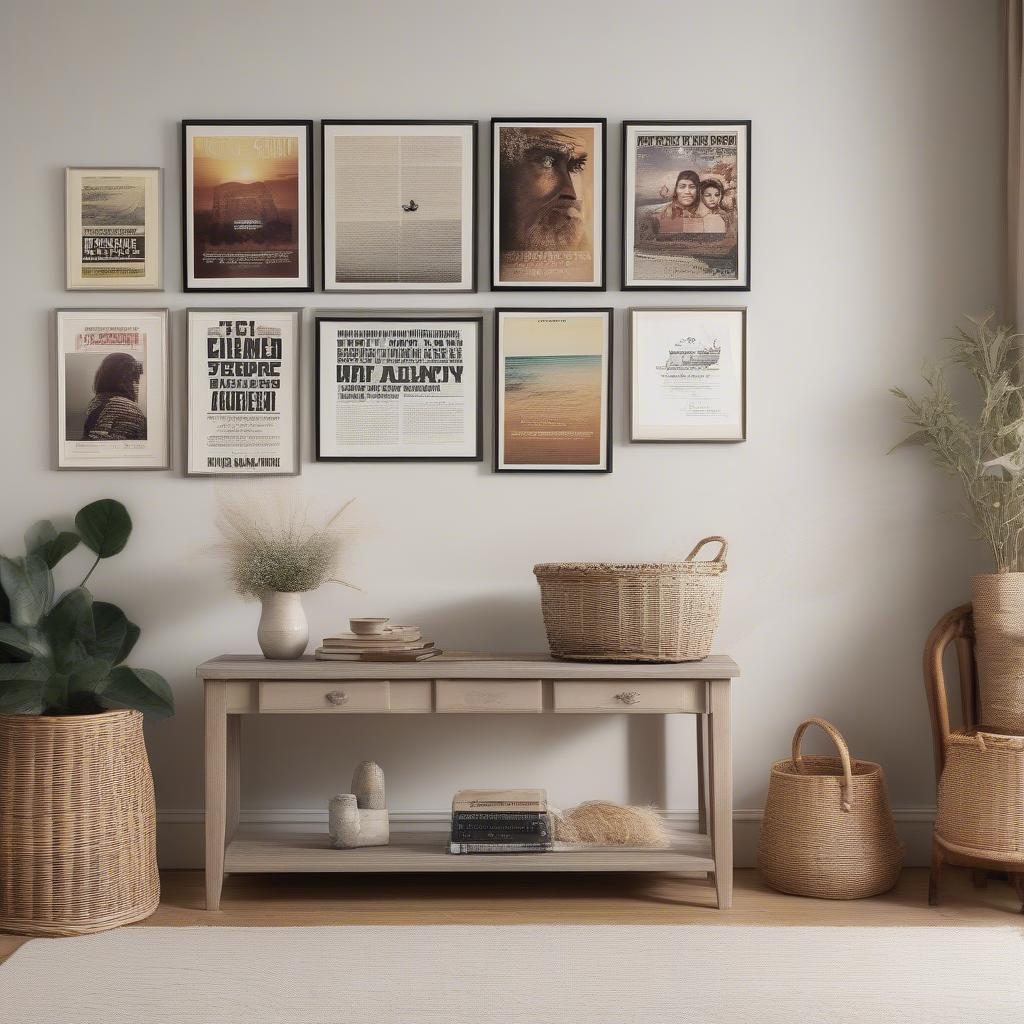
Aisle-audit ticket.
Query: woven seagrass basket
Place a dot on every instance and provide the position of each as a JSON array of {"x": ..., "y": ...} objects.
[
  {"x": 77, "y": 824},
  {"x": 827, "y": 829},
  {"x": 997, "y": 601},
  {"x": 981, "y": 796},
  {"x": 659, "y": 611}
]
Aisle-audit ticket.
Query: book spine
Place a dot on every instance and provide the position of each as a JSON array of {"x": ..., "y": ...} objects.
[{"x": 499, "y": 847}]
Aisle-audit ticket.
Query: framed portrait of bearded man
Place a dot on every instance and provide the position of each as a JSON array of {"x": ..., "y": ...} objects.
[
  {"x": 686, "y": 205},
  {"x": 548, "y": 204}
]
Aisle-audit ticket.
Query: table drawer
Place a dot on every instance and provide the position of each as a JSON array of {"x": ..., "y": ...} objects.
[
  {"x": 488, "y": 695},
  {"x": 630, "y": 695},
  {"x": 337, "y": 696}
]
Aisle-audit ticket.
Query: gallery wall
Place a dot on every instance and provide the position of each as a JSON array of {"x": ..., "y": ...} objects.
[{"x": 875, "y": 225}]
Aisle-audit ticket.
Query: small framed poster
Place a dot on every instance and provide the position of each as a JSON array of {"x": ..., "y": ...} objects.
[
  {"x": 553, "y": 390},
  {"x": 548, "y": 204},
  {"x": 243, "y": 392},
  {"x": 398, "y": 206},
  {"x": 398, "y": 388},
  {"x": 112, "y": 389},
  {"x": 247, "y": 206},
  {"x": 114, "y": 228},
  {"x": 686, "y": 205},
  {"x": 688, "y": 370}
]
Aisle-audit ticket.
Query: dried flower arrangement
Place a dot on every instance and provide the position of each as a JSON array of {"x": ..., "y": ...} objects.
[{"x": 986, "y": 455}]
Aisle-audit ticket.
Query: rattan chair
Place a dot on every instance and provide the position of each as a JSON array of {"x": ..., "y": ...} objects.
[{"x": 957, "y": 627}]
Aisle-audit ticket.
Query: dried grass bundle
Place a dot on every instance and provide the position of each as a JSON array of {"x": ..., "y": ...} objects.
[{"x": 603, "y": 823}]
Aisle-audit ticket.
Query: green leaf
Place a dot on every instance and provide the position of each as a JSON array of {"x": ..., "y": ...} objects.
[
  {"x": 104, "y": 526},
  {"x": 84, "y": 683},
  {"x": 38, "y": 535},
  {"x": 43, "y": 540},
  {"x": 21, "y": 688},
  {"x": 21, "y": 643},
  {"x": 55, "y": 694},
  {"x": 69, "y": 628},
  {"x": 110, "y": 629},
  {"x": 137, "y": 688},
  {"x": 28, "y": 584}
]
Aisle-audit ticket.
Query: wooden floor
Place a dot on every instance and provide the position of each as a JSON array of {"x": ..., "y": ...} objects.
[{"x": 288, "y": 900}]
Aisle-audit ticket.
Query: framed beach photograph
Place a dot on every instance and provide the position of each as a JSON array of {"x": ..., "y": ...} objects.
[
  {"x": 553, "y": 390},
  {"x": 243, "y": 392},
  {"x": 114, "y": 228},
  {"x": 548, "y": 204},
  {"x": 688, "y": 374},
  {"x": 399, "y": 388},
  {"x": 247, "y": 206},
  {"x": 398, "y": 206},
  {"x": 686, "y": 205},
  {"x": 112, "y": 389}
]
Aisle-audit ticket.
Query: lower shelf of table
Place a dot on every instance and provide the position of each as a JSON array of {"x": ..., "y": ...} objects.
[{"x": 253, "y": 851}]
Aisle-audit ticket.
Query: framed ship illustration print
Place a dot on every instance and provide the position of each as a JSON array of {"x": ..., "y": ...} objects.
[
  {"x": 688, "y": 374},
  {"x": 399, "y": 206},
  {"x": 686, "y": 205},
  {"x": 247, "y": 206}
]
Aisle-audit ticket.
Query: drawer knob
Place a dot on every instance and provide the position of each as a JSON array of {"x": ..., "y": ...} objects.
[
  {"x": 338, "y": 697},
  {"x": 628, "y": 697}
]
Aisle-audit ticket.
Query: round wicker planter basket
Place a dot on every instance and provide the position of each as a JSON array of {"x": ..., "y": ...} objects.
[
  {"x": 997, "y": 600},
  {"x": 77, "y": 824}
]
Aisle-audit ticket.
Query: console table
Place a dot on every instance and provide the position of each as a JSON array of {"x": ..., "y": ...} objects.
[{"x": 461, "y": 683}]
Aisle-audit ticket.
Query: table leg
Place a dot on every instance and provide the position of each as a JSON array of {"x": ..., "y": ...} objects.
[
  {"x": 234, "y": 774},
  {"x": 702, "y": 794},
  {"x": 216, "y": 790},
  {"x": 720, "y": 742}
]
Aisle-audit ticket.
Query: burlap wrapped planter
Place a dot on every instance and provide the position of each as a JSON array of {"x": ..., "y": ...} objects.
[{"x": 998, "y": 603}]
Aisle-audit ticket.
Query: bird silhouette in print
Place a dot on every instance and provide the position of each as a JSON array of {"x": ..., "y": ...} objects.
[{"x": 411, "y": 207}]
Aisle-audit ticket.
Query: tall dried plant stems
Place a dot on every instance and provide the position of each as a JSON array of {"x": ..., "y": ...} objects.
[{"x": 986, "y": 455}]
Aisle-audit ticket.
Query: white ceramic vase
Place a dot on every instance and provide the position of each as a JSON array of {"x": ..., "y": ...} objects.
[{"x": 283, "y": 630}]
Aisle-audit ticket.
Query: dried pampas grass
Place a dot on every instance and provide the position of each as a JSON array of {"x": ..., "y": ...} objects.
[{"x": 603, "y": 823}]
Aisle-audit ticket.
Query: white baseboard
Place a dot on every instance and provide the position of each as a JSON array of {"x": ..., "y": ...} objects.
[{"x": 180, "y": 832}]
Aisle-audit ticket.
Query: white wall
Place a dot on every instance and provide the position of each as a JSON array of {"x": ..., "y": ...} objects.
[{"x": 876, "y": 223}]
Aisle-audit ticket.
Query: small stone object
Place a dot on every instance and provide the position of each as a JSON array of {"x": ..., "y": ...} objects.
[
  {"x": 360, "y": 818},
  {"x": 368, "y": 786}
]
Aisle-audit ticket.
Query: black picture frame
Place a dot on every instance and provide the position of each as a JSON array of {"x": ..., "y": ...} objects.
[
  {"x": 600, "y": 208},
  {"x": 326, "y": 236},
  {"x": 186, "y": 200},
  {"x": 627, "y": 237},
  {"x": 609, "y": 313},
  {"x": 399, "y": 316}
]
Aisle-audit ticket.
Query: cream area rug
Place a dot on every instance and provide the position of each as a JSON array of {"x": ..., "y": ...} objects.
[{"x": 535, "y": 974}]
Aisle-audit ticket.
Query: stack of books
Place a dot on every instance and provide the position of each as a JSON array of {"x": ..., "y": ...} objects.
[
  {"x": 394, "y": 643},
  {"x": 500, "y": 821}
]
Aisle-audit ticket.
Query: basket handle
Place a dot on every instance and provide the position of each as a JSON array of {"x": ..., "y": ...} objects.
[
  {"x": 709, "y": 540},
  {"x": 844, "y": 755}
]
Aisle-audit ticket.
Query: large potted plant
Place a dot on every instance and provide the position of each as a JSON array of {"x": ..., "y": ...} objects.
[
  {"x": 77, "y": 817},
  {"x": 986, "y": 454}
]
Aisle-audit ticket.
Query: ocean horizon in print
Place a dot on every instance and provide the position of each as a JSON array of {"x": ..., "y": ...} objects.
[{"x": 552, "y": 410}]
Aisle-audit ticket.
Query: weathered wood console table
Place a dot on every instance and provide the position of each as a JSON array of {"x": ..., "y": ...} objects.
[{"x": 237, "y": 685}]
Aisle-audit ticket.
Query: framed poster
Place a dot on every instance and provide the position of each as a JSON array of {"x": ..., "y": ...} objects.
[
  {"x": 113, "y": 389},
  {"x": 688, "y": 370},
  {"x": 114, "y": 228},
  {"x": 247, "y": 206},
  {"x": 399, "y": 206},
  {"x": 243, "y": 392},
  {"x": 553, "y": 390},
  {"x": 398, "y": 388},
  {"x": 548, "y": 204},
  {"x": 686, "y": 205}
]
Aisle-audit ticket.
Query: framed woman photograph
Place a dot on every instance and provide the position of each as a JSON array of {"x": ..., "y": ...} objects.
[
  {"x": 114, "y": 228},
  {"x": 686, "y": 205},
  {"x": 553, "y": 390},
  {"x": 548, "y": 204},
  {"x": 398, "y": 206},
  {"x": 398, "y": 388},
  {"x": 112, "y": 389},
  {"x": 243, "y": 392},
  {"x": 247, "y": 206},
  {"x": 688, "y": 374}
]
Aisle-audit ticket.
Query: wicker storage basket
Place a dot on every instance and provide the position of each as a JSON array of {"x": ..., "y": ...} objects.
[
  {"x": 77, "y": 824},
  {"x": 997, "y": 601},
  {"x": 827, "y": 829},
  {"x": 981, "y": 796},
  {"x": 661, "y": 611}
]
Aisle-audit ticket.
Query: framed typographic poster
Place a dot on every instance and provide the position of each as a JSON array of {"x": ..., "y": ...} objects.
[
  {"x": 114, "y": 228},
  {"x": 243, "y": 392},
  {"x": 399, "y": 206},
  {"x": 548, "y": 204},
  {"x": 247, "y": 206},
  {"x": 688, "y": 374},
  {"x": 112, "y": 389},
  {"x": 404, "y": 387},
  {"x": 553, "y": 390},
  {"x": 686, "y": 205}
]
